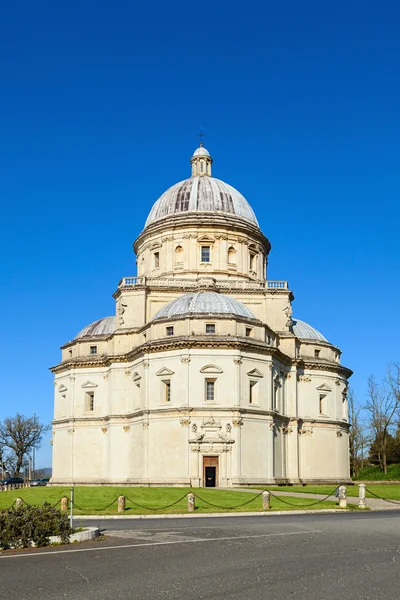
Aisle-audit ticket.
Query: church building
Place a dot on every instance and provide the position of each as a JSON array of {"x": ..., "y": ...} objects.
[{"x": 202, "y": 376}]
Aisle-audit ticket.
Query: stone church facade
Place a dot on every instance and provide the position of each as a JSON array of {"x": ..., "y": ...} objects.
[{"x": 202, "y": 377}]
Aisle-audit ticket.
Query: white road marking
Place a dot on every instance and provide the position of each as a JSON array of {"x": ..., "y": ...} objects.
[{"x": 167, "y": 543}]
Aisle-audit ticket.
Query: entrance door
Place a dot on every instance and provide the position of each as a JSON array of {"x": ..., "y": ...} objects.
[{"x": 210, "y": 471}]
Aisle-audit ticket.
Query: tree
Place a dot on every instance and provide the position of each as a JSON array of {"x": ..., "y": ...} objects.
[
  {"x": 20, "y": 434},
  {"x": 358, "y": 439},
  {"x": 383, "y": 407}
]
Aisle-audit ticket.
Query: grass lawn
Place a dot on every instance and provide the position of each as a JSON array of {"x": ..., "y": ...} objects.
[
  {"x": 95, "y": 500},
  {"x": 389, "y": 491}
]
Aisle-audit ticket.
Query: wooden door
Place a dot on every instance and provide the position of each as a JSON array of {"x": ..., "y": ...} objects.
[{"x": 210, "y": 471}]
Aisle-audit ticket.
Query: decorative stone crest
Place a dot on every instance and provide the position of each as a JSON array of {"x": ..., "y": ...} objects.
[
  {"x": 127, "y": 428},
  {"x": 238, "y": 422},
  {"x": 185, "y": 421},
  {"x": 104, "y": 429}
]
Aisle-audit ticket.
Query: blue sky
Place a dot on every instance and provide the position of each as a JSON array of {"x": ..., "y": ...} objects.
[{"x": 100, "y": 105}]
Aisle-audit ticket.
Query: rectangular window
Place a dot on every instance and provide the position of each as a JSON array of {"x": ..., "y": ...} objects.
[
  {"x": 170, "y": 330},
  {"x": 167, "y": 391},
  {"x": 210, "y": 390},
  {"x": 210, "y": 328},
  {"x": 249, "y": 332},
  {"x": 321, "y": 403},
  {"x": 93, "y": 349},
  {"x": 252, "y": 262},
  {"x": 253, "y": 392},
  {"x": 156, "y": 260},
  {"x": 205, "y": 254},
  {"x": 89, "y": 401},
  {"x": 317, "y": 353}
]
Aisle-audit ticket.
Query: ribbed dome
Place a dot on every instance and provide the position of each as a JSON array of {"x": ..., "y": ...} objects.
[
  {"x": 104, "y": 326},
  {"x": 201, "y": 194},
  {"x": 304, "y": 331},
  {"x": 204, "y": 303}
]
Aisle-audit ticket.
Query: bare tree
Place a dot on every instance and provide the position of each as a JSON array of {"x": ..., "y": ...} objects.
[
  {"x": 358, "y": 439},
  {"x": 383, "y": 408},
  {"x": 20, "y": 434}
]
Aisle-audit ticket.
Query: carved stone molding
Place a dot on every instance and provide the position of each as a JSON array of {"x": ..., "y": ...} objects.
[
  {"x": 128, "y": 372},
  {"x": 104, "y": 429},
  {"x": 304, "y": 378},
  {"x": 127, "y": 428},
  {"x": 237, "y": 361},
  {"x": 185, "y": 421},
  {"x": 237, "y": 422}
]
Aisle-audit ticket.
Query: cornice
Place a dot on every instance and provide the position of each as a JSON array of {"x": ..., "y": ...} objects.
[
  {"x": 177, "y": 343},
  {"x": 323, "y": 365}
]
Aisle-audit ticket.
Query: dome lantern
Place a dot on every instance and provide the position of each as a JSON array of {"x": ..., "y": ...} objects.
[{"x": 201, "y": 162}]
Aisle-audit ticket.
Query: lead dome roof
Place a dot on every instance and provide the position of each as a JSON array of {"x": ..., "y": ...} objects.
[
  {"x": 303, "y": 330},
  {"x": 201, "y": 193},
  {"x": 104, "y": 326},
  {"x": 204, "y": 303}
]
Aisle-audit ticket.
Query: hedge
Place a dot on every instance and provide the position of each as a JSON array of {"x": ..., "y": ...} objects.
[{"x": 32, "y": 525}]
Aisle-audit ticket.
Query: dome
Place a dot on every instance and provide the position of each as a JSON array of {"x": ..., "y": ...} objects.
[
  {"x": 201, "y": 194},
  {"x": 204, "y": 303},
  {"x": 104, "y": 326},
  {"x": 201, "y": 152},
  {"x": 303, "y": 330}
]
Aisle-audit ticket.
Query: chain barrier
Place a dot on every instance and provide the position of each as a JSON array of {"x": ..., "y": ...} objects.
[
  {"x": 280, "y": 498},
  {"x": 228, "y": 507},
  {"x": 158, "y": 507},
  {"x": 56, "y": 504},
  {"x": 397, "y": 502}
]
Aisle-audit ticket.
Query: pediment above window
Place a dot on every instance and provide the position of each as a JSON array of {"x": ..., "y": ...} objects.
[
  {"x": 136, "y": 376},
  {"x": 206, "y": 238},
  {"x": 255, "y": 373},
  {"x": 62, "y": 388},
  {"x": 324, "y": 388},
  {"x": 89, "y": 384},
  {"x": 164, "y": 371},
  {"x": 211, "y": 369},
  {"x": 155, "y": 246}
]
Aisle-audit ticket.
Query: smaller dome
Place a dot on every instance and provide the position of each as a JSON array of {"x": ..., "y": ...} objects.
[
  {"x": 201, "y": 152},
  {"x": 104, "y": 326},
  {"x": 204, "y": 303},
  {"x": 304, "y": 331}
]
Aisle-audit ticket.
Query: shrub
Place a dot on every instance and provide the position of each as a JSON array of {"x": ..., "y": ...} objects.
[{"x": 21, "y": 527}]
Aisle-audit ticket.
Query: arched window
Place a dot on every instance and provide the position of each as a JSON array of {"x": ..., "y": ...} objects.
[
  {"x": 179, "y": 254},
  {"x": 231, "y": 256}
]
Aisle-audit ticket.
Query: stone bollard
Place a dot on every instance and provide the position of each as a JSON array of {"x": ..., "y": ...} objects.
[
  {"x": 121, "y": 504},
  {"x": 342, "y": 497},
  {"x": 18, "y": 502},
  {"x": 361, "y": 495},
  {"x": 191, "y": 499},
  {"x": 266, "y": 501},
  {"x": 64, "y": 503}
]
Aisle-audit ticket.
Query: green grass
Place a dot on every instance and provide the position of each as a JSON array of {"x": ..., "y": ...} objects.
[
  {"x": 389, "y": 491},
  {"x": 95, "y": 500},
  {"x": 373, "y": 473}
]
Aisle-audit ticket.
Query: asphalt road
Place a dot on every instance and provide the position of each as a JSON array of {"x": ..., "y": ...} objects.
[{"x": 313, "y": 557}]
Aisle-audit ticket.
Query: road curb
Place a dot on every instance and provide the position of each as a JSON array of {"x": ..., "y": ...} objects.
[{"x": 209, "y": 515}]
